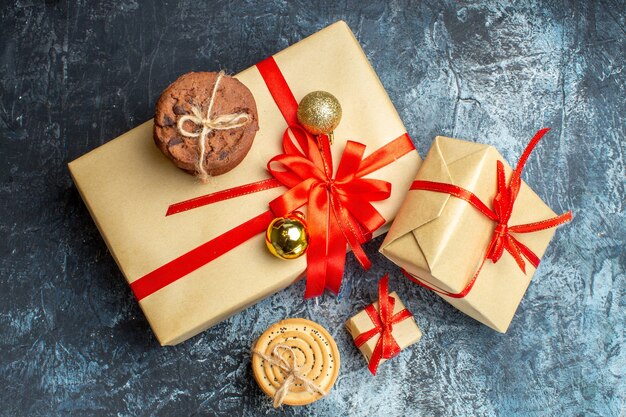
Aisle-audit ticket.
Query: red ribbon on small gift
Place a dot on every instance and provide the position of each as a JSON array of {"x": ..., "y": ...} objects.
[
  {"x": 386, "y": 347},
  {"x": 503, "y": 203},
  {"x": 339, "y": 209}
]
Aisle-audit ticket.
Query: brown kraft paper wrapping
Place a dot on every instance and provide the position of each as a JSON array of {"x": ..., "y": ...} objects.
[
  {"x": 443, "y": 240},
  {"x": 127, "y": 184}
]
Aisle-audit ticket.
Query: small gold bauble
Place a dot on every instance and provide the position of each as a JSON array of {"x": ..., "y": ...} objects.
[
  {"x": 287, "y": 237},
  {"x": 319, "y": 112}
]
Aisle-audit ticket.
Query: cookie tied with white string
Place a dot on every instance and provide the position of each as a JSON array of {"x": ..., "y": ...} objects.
[
  {"x": 296, "y": 362},
  {"x": 205, "y": 123}
]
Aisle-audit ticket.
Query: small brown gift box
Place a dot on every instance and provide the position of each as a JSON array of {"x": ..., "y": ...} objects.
[
  {"x": 405, "y": 331},
  {"x": 127, "y": 184},
  {"x": 442, "y": 240}
]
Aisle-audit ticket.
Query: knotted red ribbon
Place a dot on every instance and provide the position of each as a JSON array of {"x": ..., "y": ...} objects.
[
  {"x": 339, "y": 209},
  {"x": 386, "y": 347},
  {"x": 503, "y": 203}
]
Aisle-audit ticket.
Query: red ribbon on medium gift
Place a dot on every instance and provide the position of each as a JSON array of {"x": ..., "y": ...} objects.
[
  {"x": 386, "y": 347},
  {"x": 503, "y": 204},
  {"x": 339, "y": 209}
]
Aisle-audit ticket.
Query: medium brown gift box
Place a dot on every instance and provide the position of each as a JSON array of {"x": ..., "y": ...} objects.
[
  {"x": 127, "y": 184},
  {"x": 442, "y": 240}
]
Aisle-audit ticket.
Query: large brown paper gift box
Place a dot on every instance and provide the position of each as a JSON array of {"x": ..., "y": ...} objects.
[
  {"x": 442, "y": 240},
  {"x": 127, "y": 184}
]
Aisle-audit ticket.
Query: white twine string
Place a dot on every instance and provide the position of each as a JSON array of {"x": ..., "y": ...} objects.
[
  {"x": 221, "y": 122},
  {"x": 291, "y": 370}
]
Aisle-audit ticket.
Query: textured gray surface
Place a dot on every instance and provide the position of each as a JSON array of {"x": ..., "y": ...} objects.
[{"x": 73, "y": 75}]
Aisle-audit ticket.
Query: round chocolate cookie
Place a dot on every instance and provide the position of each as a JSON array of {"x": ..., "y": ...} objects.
[{"x": 199, "y": 143}]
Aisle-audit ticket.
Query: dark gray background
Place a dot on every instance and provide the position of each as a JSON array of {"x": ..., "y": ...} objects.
[{"x": 74, "y": 75}]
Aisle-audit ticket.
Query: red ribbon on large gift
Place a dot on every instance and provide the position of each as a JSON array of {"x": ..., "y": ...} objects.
[
  {"x": 386, "y": 347},
  {"x": 503, "y": 203},
  {"x": 339, "y": 208}
]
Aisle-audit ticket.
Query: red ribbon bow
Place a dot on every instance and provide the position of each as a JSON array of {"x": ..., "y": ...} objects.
[
  {"x": 503, "y": 203},
  {"x": 386, "y": 347},
  {"x": 339, "y": 208},
  {"x": 502, "y": 238}
]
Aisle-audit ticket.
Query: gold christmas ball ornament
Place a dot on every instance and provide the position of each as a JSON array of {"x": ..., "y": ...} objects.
[
  {"x": 319, "y": 112},
  {"x": 287, "y": 237}
]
